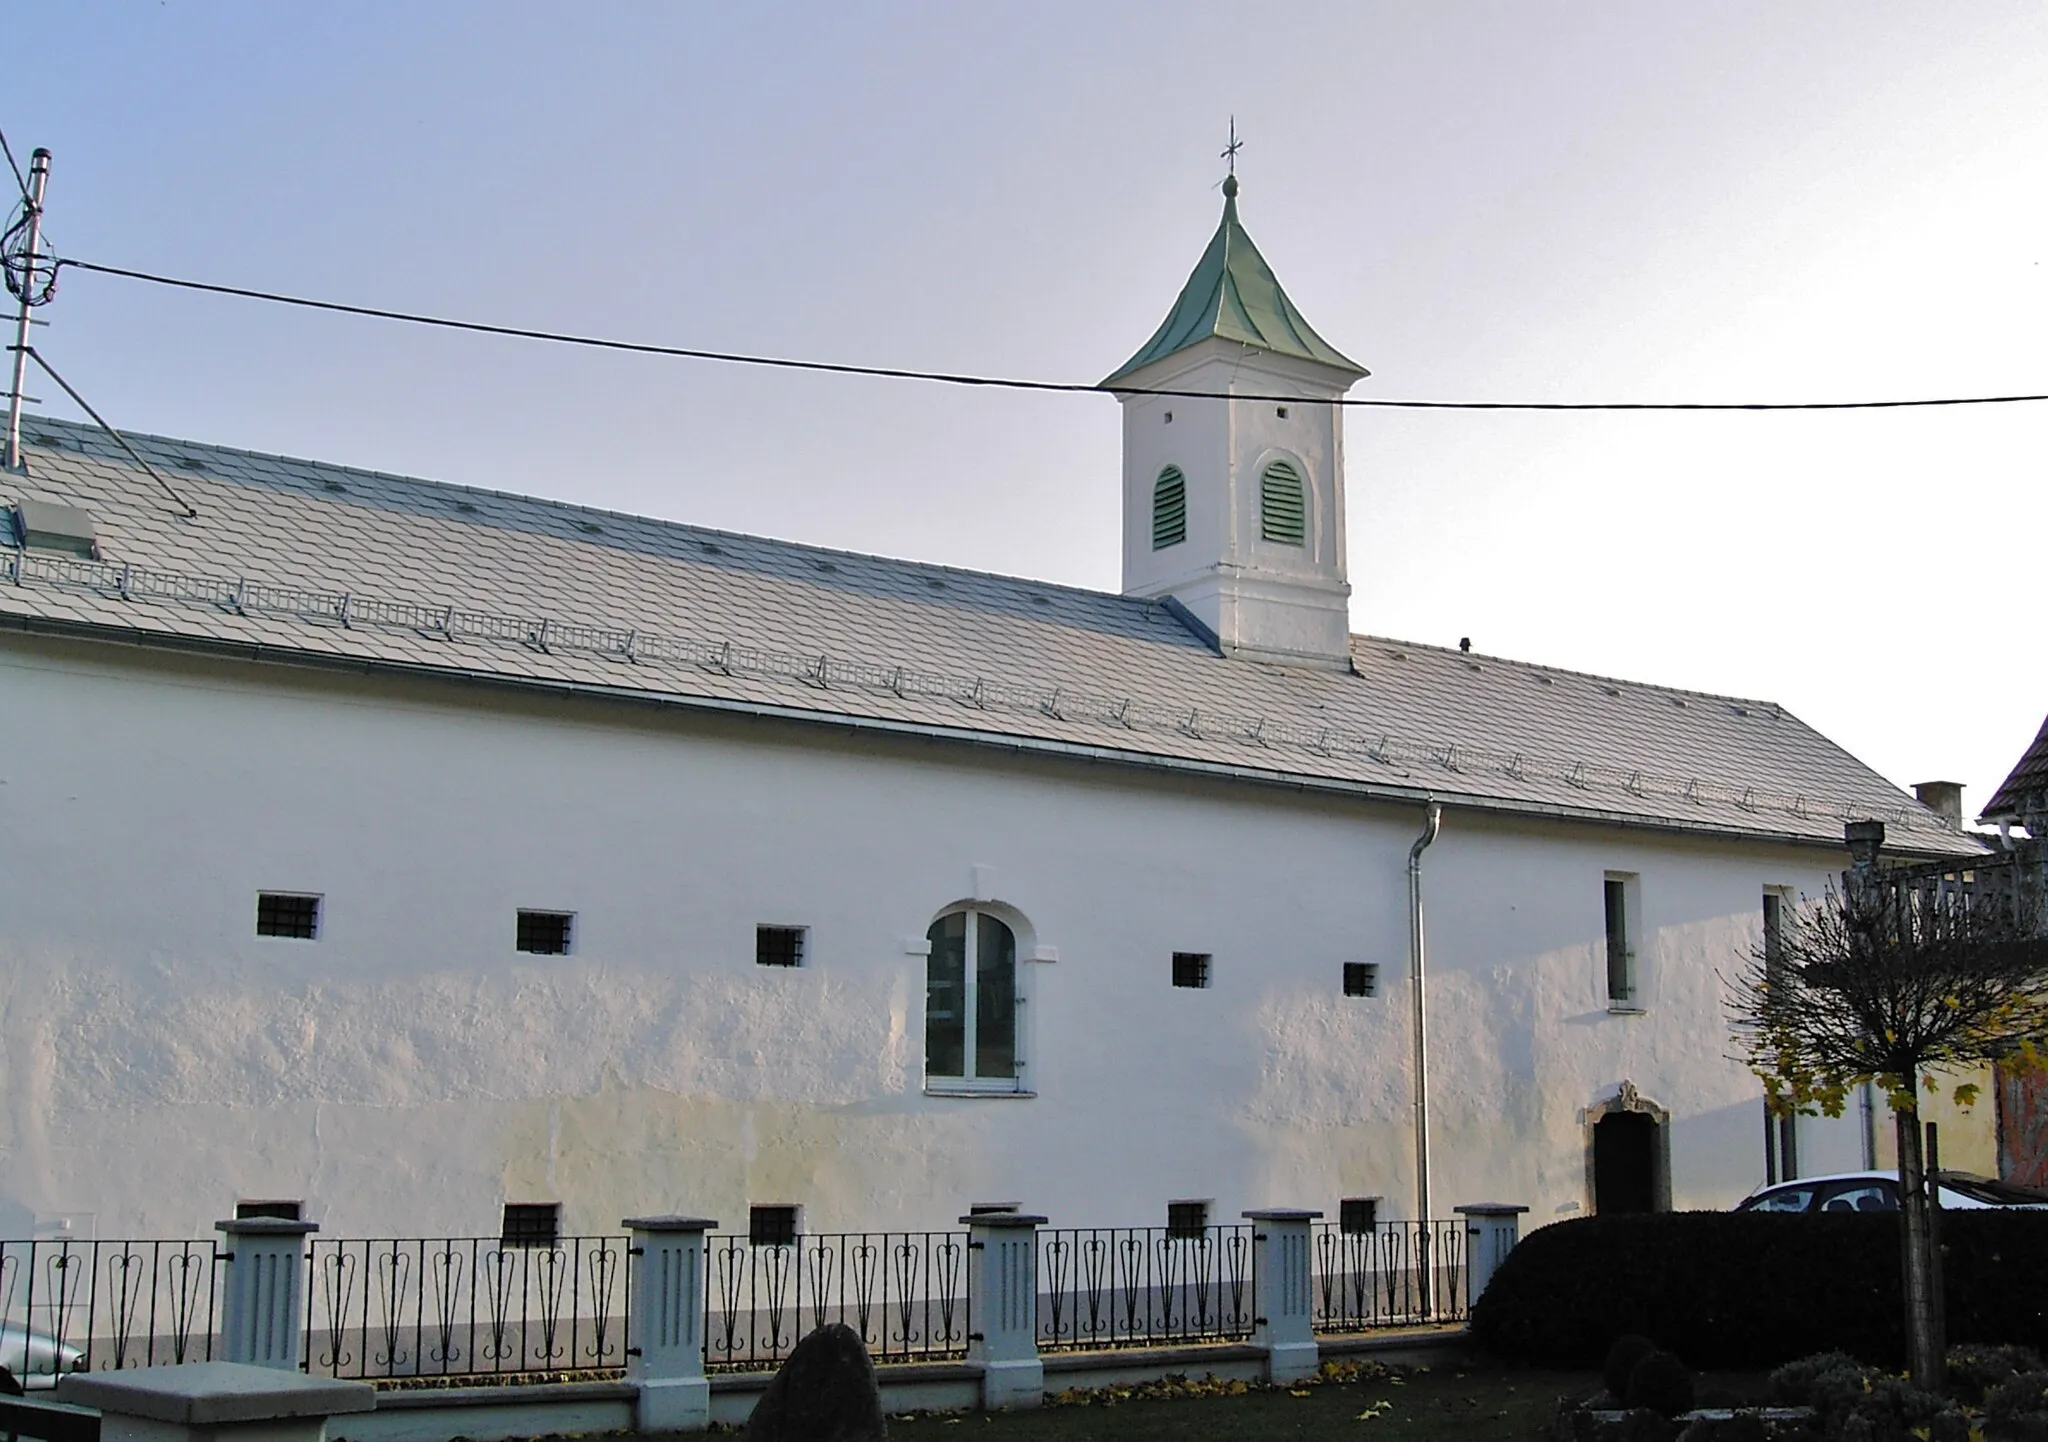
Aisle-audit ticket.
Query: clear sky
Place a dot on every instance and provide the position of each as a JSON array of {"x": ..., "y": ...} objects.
[{"x": 1543, "y": 201}]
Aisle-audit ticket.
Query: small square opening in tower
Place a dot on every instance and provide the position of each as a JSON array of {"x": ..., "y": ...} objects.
[
  {"x": 1361, "y": 978},
  {"x": 1191, "y": 969}
]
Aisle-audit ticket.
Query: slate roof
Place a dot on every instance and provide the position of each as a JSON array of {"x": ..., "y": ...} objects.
[
  {"x": 1233, "y": 295},
  {"x": 2029, "y": 779},
  {"x": 306, "y": 562}
]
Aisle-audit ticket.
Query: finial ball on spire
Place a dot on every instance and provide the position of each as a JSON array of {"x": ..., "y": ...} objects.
[{"x": 1230, "y": 187}]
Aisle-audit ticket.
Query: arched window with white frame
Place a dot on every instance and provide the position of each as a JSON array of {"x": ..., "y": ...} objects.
[{"x": 971, "y": 1036}]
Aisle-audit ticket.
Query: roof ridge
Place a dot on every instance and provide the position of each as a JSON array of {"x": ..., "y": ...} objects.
[
  {"x": 583, "y": 508},
  {"x": 1657, "y": 686}
]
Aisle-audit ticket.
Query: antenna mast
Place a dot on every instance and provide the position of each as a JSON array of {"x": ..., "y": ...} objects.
[{"x": 22, "y": 282}]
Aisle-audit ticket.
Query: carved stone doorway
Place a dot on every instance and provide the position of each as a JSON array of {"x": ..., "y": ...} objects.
[{"x": 1628, "y": 1154}]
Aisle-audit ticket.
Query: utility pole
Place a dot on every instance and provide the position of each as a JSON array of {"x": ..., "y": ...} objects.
[{"x": 25, "y": 290}]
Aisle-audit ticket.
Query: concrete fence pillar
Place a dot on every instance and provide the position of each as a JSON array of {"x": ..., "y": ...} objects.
[
  {"x": 1283, "y": 1293},
  {"x": 1491, "y": 1231},
  {"x": 665, "y": 1325},
  {"x": 263, "y": 1306},
  {"x": 1002, "y": 1291}
]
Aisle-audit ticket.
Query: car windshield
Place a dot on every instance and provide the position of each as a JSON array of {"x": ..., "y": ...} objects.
[{"x": 1783, "y": 1199}]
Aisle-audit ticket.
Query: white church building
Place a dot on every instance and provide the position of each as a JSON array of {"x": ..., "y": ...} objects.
[{"x": 409, "y": 851}]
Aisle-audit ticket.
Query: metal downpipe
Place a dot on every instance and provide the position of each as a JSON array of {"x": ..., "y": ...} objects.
[{"x": 1432, "y": 823}]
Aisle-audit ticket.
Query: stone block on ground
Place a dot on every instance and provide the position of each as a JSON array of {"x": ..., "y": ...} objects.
[{"x": 825, "y": 1392}]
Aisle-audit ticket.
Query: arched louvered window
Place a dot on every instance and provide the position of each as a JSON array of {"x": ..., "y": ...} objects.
[
  {"x": 1169, "y": 509},
  {"x": 1283, "y": 513}
]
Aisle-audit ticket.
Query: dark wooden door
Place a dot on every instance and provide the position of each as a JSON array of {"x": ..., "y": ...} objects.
[{"x": 1624, "y": 1163}]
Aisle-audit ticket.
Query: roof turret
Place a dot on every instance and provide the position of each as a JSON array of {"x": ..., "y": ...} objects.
[{"x": 1233, "y": 295}]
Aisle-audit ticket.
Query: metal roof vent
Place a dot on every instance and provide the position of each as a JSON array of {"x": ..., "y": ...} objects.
[{"x": 48, "y": 526}]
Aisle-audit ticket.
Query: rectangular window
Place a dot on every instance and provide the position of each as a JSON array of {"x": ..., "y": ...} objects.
[
  {"x": 1358, "y": 1215},
  {"x": 280, "y": 1211},
  {"x": 778, "y": 946},
  {"x": 1188, "y": 1220},
  {"x": 545, "y": 933},
  {"x": 531, "y": 1224},
  {"x": 1191, "y": 968},
  {"x": 771, "y": 1226},
  {"x": 1622, "y": 988},
  {"x": 1774, "y": 926},
  {"x": 283, "y": 914},
  {"x": 1361, "y": 978}
]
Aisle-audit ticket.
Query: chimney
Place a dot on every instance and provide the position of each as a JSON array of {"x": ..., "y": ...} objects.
[{"x": 1944, "y": 799}]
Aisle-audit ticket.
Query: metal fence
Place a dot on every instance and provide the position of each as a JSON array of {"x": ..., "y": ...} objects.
[
  {"x": 1143, "y": 1286},
  {"x": 473, "y": 1307},
  {"x": 904, "y": 1292},
  {"x": 96, "y": 1305},
  {"x": 1393, "y": 1274}
]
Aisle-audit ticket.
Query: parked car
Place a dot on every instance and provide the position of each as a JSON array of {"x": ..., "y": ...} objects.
[
  {"x": 36, "y": 1359},
  {"x": 1879, "y": 1192}
]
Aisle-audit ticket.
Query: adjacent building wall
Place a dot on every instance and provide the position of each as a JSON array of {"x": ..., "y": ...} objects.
[{"x": 409, "y": 1071}]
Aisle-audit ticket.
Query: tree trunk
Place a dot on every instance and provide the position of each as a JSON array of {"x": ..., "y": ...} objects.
[{"x": 1924, "y": 1343}]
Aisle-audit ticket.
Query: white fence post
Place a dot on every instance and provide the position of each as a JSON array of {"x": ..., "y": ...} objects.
[
  {"x": 1002, "y": 1291},
  {"x": 263, "y": 1313},
  {"x": 1491, "y": 1231},
  {"x": 1283, "y": 1311},
  {"x": 665, "y": 1326}
]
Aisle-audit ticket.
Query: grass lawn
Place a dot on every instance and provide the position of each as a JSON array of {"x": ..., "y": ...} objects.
[{"x": 1447, "y": 1403}]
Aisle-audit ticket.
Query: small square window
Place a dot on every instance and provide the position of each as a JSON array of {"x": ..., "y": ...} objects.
[
  {"x": 531, "y": 1224},
  {"x": 281, "y": 914},
  {"x": 1361, "y": 978},
  {"x": 1191, "y": 968},
  {"x": 778, "y": 946},
  {"x": 1187, "y": 1220},
  {"x": 545, "y": 933},
  {"x": 1282, "y": 410},
  {"x": 1358, "y": 1215},
  {"x": 280, "y": 1211},
  {"x": 773, "y": 1226}
]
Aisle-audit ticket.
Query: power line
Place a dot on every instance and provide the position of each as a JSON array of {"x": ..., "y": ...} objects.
[
  {"x": 20, "y": 182},
  {"x": 1011, "y": 383}
]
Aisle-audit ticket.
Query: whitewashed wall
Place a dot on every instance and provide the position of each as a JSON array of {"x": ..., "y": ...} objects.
[{"x": 410, "y": 1071}]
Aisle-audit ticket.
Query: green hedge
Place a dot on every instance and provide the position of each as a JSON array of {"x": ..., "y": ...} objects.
[{"x": 1727, "y": 1289}]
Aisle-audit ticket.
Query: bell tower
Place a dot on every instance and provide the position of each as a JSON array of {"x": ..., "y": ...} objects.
[{"x": 1234, "y": 501}]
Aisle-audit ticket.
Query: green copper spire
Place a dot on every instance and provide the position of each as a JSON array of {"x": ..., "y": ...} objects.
[{"x": 1234, "y": 296}]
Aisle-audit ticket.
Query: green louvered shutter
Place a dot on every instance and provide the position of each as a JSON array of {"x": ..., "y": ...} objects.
[
  {"x": 1282, "y": 510},
  {"x": 1169, "y": 509}
]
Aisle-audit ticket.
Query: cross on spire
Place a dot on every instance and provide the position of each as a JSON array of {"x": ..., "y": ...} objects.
[{"x": 1230, "y": 150}]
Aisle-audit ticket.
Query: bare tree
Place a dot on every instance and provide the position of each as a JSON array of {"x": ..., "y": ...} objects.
[{"x": 1889, "y": 986}]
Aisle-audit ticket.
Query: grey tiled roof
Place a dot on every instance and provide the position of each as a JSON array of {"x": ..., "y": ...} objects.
[
  {"x": 2025, "y": 787},
  {"x": 306, "y": 559}
]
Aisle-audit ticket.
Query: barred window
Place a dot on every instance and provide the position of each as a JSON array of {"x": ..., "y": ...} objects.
[
  {"x": 1169, "y": 509},
  {"x": 545, "y": 933},
  {"x": 1283, "y": 508},
  {"x": 531, "y": 1224},
  {"x": 772, "y": 1226},
  {"x": 1358, "y": 1215},
  {"x": 1187, "y": 1220},
  {"x": 1191, "y": 968},
  {"x": 778, "y": 946},
  {"x": 1361, "y": 978},
  {"x": 282, "y": 914}
]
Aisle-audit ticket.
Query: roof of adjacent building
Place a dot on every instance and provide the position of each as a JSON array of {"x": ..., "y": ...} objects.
[
  {"x": 1233, "y": 295},
  {"x": 2027, "y": 784},
  {"x": 311, "y": 563}
]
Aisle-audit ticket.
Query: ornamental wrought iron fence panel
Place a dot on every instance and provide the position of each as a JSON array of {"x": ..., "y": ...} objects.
[
  {"x": 467, "y": 1307},
  {"x": 70, "y": 1305},
  {"x": 1101, "y": 1287},
  {"x": 904, "y": 1292},
  {"x": 1393, "y": 1274}
]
